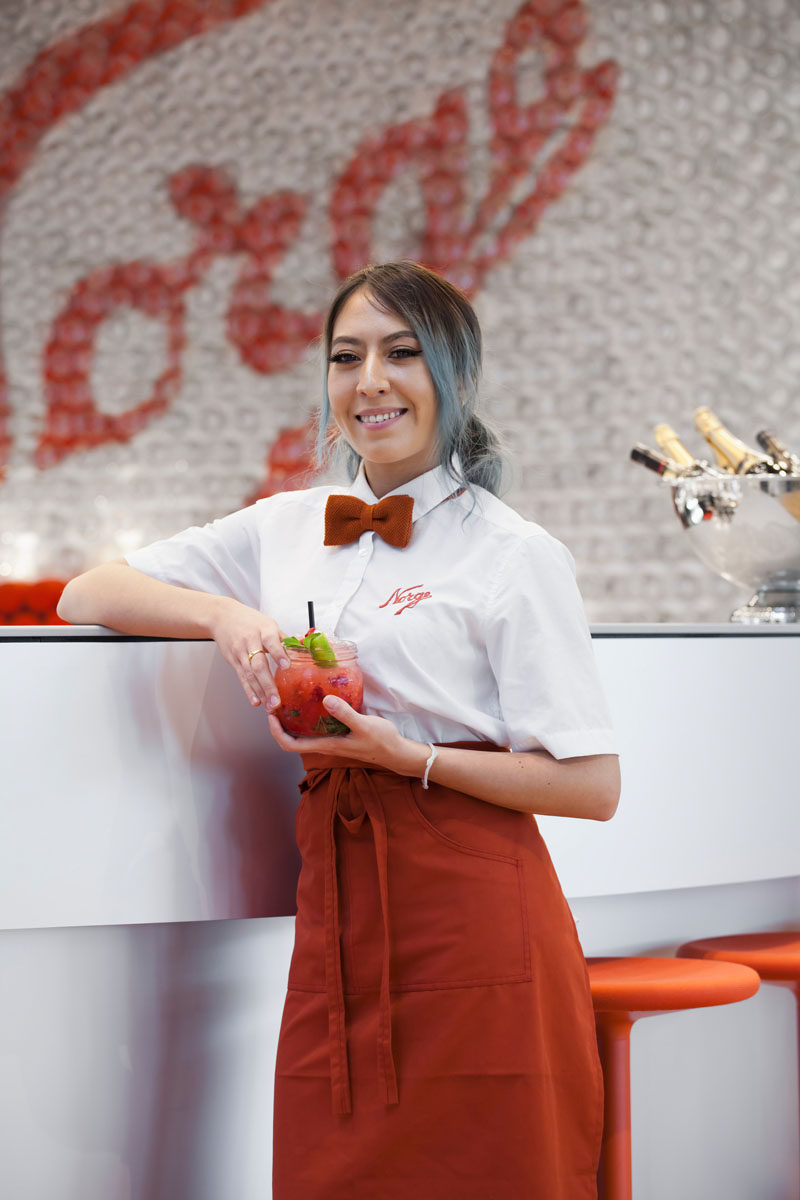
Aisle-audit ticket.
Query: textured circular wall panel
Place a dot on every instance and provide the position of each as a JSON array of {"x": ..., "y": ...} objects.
[{"x": 182, "y": 184}]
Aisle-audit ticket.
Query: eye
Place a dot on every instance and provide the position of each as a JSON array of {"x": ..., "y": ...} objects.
[
  {"x": 405, "y": 352},
  {"x": 343, "y": 356}
]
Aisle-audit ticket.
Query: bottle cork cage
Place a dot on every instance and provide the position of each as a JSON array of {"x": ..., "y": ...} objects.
[{"x": 183, "y": 184}]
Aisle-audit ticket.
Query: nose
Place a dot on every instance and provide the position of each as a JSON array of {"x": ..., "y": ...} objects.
[{"x": 372, "y": 378}]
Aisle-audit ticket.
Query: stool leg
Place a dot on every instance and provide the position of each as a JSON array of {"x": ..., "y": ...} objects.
[
  {"x": 796, "y": 991},
  {"x": 794, "y": 987},
  {"x": 613, "y": 1039}
]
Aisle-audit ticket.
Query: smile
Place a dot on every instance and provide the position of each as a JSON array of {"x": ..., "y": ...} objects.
[{"x": 381, "y": 418}]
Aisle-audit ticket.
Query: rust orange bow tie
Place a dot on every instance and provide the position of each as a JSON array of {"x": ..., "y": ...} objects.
[{"x": 347, "y": 517}]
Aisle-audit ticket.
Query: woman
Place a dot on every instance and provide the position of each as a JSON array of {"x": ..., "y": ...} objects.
[{"x": 438, "y": 1036}]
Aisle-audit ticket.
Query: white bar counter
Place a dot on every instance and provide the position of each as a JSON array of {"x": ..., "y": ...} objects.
[{"x": 147, "y": 873}]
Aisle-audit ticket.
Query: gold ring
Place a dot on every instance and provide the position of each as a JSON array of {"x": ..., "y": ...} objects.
[{"x": 253, "y": 653}]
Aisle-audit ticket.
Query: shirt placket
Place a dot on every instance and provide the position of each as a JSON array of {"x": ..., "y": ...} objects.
[{"x": 351, "y": 581}]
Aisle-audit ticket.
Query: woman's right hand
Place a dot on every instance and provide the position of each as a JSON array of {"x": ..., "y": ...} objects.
[{"x": 251, "y": 642}]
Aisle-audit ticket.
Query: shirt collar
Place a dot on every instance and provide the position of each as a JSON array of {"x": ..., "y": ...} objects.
[{"x": 427, "y": 490}]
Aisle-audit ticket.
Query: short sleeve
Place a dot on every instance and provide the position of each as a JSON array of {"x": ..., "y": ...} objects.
[
  {"x": 540, "y": 649},
  {"x": 222, "y": 557}
]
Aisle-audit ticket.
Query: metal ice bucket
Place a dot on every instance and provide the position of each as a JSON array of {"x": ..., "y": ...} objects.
[{"x": 746, "y": 528}]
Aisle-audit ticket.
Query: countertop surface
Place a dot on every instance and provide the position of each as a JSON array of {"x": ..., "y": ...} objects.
[{"x": 92, "y": 632}]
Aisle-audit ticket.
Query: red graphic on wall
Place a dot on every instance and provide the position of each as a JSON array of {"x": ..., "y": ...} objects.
[
  {"x": 542, "y": 144},
  {"x": 268, "y": 337},
  {"x": 459, "y": 244},
  {"x": 290, "y": 463},
  {"x": 58, "y": 82}
]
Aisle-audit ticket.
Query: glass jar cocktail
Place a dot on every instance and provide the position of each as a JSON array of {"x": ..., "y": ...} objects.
[{"x": 303, "y": 684}]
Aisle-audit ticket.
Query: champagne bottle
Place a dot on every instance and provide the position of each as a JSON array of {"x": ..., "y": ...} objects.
[
  {"x": 730, "y": 451},
  {"x": 789, "y": 464},
  {"x": 786, "y": 460},
  {"x": 665, "y": 467},
  {"x": 704, "y": 504},
  {"x": 668, "y": 441},
  {"x": 674, "y": 449}
]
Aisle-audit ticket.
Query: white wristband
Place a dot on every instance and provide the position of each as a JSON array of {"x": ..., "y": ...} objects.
[{"x": 431, "y": 760}]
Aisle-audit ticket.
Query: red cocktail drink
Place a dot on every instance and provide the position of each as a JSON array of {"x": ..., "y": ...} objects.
[{"x": 303, "y": 684}]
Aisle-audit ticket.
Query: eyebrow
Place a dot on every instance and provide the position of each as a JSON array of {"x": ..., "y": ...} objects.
[{"x": 354, "y": 341}]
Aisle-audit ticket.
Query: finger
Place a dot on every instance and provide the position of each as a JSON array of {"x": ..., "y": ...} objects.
[
  {"x": 297, "y": 745},
  {"x": 257, "y": 686},
  {"x": 261, "y": 680},
  {"x": 279, "y": 654},
  {"x": 253, "y": 690},
  {"x": 343, "y": 711},
  {"x": 284, "y": 739},
  {"x": 259, "y": 677},
  {"x": 272, "y": 642},
  {"x": 301, "y": 744}
]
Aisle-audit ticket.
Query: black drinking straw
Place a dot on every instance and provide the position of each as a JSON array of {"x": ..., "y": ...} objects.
[{"x": 311, "y": 624}]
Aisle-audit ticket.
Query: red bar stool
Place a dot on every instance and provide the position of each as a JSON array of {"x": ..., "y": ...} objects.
[
  {"x": 776, "y": 957},
  {"x": 623, "y": 990}
]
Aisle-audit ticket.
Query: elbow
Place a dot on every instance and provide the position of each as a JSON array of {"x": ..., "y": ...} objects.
[
  {"x": 606, "y": 790},
  {"x": 66, "y": 607},
  {"x": 609, "y": 789},
  {"x": 74, "y": 605},
  {"x": 606, "y": 807},
  {"x": 84, "y": 600}
]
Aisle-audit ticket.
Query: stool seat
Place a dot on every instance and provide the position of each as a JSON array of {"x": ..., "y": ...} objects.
[
  {"x": 651, "y": 985},
  {"x": 776, "y": 956}
]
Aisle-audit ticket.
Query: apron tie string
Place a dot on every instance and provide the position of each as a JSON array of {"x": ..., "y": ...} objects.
[
  {"x": 337, "y": 1034},
  {"x": 340, "y": 808},
  {"x": 354, "y": 794},
  {"x": 386, "y": 1067}
]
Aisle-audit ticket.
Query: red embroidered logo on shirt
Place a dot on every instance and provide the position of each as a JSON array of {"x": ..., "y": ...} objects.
[{"x": 407, "y": 597}]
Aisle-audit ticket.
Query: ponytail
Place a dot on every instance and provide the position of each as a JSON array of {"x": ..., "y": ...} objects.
[{"x": 479, "y": 455}]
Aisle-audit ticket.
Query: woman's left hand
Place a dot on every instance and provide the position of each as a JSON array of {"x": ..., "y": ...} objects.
[{"x": 372, "y": 740}]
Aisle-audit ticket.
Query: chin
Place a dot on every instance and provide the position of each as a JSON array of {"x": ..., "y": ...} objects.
[{"x": 385, "y": 455}]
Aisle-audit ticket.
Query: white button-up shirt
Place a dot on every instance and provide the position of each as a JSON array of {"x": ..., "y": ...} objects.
[{"x": 474, "y": 631}]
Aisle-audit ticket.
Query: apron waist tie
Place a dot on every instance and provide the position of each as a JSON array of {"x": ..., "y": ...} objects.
[
  {"x": 337, "y": 1018},
  {"x": 386, "y": 1068},
  {"x": 337, "y": 1035},
  {"x": 355, "y": 790}
]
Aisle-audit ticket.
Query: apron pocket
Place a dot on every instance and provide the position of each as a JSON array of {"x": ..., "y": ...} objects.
[{"x": 458, "y": 912}]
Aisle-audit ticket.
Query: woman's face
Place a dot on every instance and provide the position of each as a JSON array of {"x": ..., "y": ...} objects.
[{"x": 381, "y": 394}]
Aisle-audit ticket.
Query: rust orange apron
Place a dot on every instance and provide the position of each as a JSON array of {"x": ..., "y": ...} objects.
[{"x": 438, "y": 1037}]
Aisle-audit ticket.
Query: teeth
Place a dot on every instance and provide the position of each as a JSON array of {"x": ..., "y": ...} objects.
[{"x": 381, "y": 417}]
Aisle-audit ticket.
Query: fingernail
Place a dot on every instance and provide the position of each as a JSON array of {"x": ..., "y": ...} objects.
[
  {"x": 274, "y": 701},
  {"x": 284, "y": 663},
  {"x": 331, "y": 701},
  {"x": 254, "y": 701}
]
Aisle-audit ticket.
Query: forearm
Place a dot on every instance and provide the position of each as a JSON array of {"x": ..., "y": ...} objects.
[
  {"x": 117, "y": 595},
  {"x": 531, "y": 782}
]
